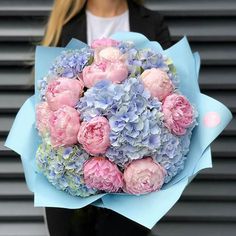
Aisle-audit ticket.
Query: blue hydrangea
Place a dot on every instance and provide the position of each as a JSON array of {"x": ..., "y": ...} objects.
[
  {"x": 42, "y": 87},
  {"x": 143, "y": 59},
  {"x": 101, "y": 99},
  {"x": 172, "y": 153},
  {"x": 140, "y": 60},
  {"x": 70, "y": 63},
  {"x": 134, "y": 118},
  {"x": 133, "y": 139},
  {"x": 63, "y": 167},
  {"x": 126, "y": 46}
]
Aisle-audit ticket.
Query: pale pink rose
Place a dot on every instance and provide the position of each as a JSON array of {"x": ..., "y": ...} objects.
[
  {"x": 43, "y": 114},
  {"x": 157, "y": 83},
  {"x": 143, "y": 176},
  {"x": 108, "y": 54},
  {"x": 178, "y": 113},
  {"x": 64, "y": 91},
  {"x": 104, "y": 42},
  {"x": 64, "y": 126},
  {"x": 114, "y": 71},
  {"x": 94, "y": 135},
  {"x": 101, "y": 174}
]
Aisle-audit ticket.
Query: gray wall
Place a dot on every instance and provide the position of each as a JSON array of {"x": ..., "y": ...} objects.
[{"x": 208, "y": 206}]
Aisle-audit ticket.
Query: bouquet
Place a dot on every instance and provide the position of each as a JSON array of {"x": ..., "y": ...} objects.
[{"x": 121, "y": 124}]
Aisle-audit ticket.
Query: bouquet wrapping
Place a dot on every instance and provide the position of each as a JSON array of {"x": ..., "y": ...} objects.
[{"x": 121, "y": 124}]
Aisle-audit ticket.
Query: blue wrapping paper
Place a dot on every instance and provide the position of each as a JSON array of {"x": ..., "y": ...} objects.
[{"x": 146, "y": 209}]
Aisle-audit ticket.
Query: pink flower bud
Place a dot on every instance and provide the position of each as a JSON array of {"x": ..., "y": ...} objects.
[
  {"x": 143, "y": 176},
  {"x": 94, "y": 135},
  {"x": 64, "y": 126},
  {"x": 116, "y": 72},
  {"x": 157, "y": 83},
  {"x": 101, "y": 174},
  {"x": 43, "y": 114},
  {"x": 178, "y": 113},
  {"x": 64, "y": 91},
  {"x": 104, "y": 42}
]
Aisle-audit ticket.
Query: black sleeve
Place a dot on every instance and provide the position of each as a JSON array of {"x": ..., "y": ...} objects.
[
  {"x": 162, "y": 32},
  {"x": 59, "y": 43},
  {"x": 63, "y": 40}
]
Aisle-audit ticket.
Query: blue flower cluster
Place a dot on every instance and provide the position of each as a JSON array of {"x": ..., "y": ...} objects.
[
  {"x": 42, "y": 87},
  {"x": 173, "y": 152},
  {"x": 70, "y": 63},
  {"x": 134, "y": 117},
  {"x": 63, "y": 167},
  {"x": 143, "y": 59},
  {"x": 100, "y": 100}
]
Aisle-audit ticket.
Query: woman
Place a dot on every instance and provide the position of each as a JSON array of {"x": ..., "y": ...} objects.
[
  {"x": 69, "y": 20},
  {"x": 86, "y": 21}
]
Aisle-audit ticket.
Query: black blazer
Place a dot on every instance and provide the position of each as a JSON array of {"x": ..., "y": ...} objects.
[{"x": 142, "y": 20}]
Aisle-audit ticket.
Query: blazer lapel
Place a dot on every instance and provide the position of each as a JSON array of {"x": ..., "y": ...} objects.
[
  {"x": 80, "y": 24},
  {"x": 75, "y": 28},
  {"x": 139, "y": 20}
]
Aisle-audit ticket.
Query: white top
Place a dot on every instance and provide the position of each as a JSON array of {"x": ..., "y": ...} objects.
[{"x": 103, "y": 27}]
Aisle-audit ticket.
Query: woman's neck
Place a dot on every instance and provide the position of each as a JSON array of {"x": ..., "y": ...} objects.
[{"x": 107, "y": 8}]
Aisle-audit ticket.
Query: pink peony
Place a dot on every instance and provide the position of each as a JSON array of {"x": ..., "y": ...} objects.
[
  {"x": 104, "y": 42},
  {"x": 63, "y": 91},
  {"x": 101, "y": 174},
  {"x": 116, "y": 72},
  {"x": 109, "y": 54},
  {"x": 143, "y": 176},
  {"x": 64, "y": 126},
  {"x": 94, "y": 135},
  {"x": 43, "y": 114},
  {"x": 157, "y": 83},
  {"x": 178, "y": 113}
]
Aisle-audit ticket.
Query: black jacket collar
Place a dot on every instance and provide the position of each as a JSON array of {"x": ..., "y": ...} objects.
[{"x": 76, "y": 27}]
